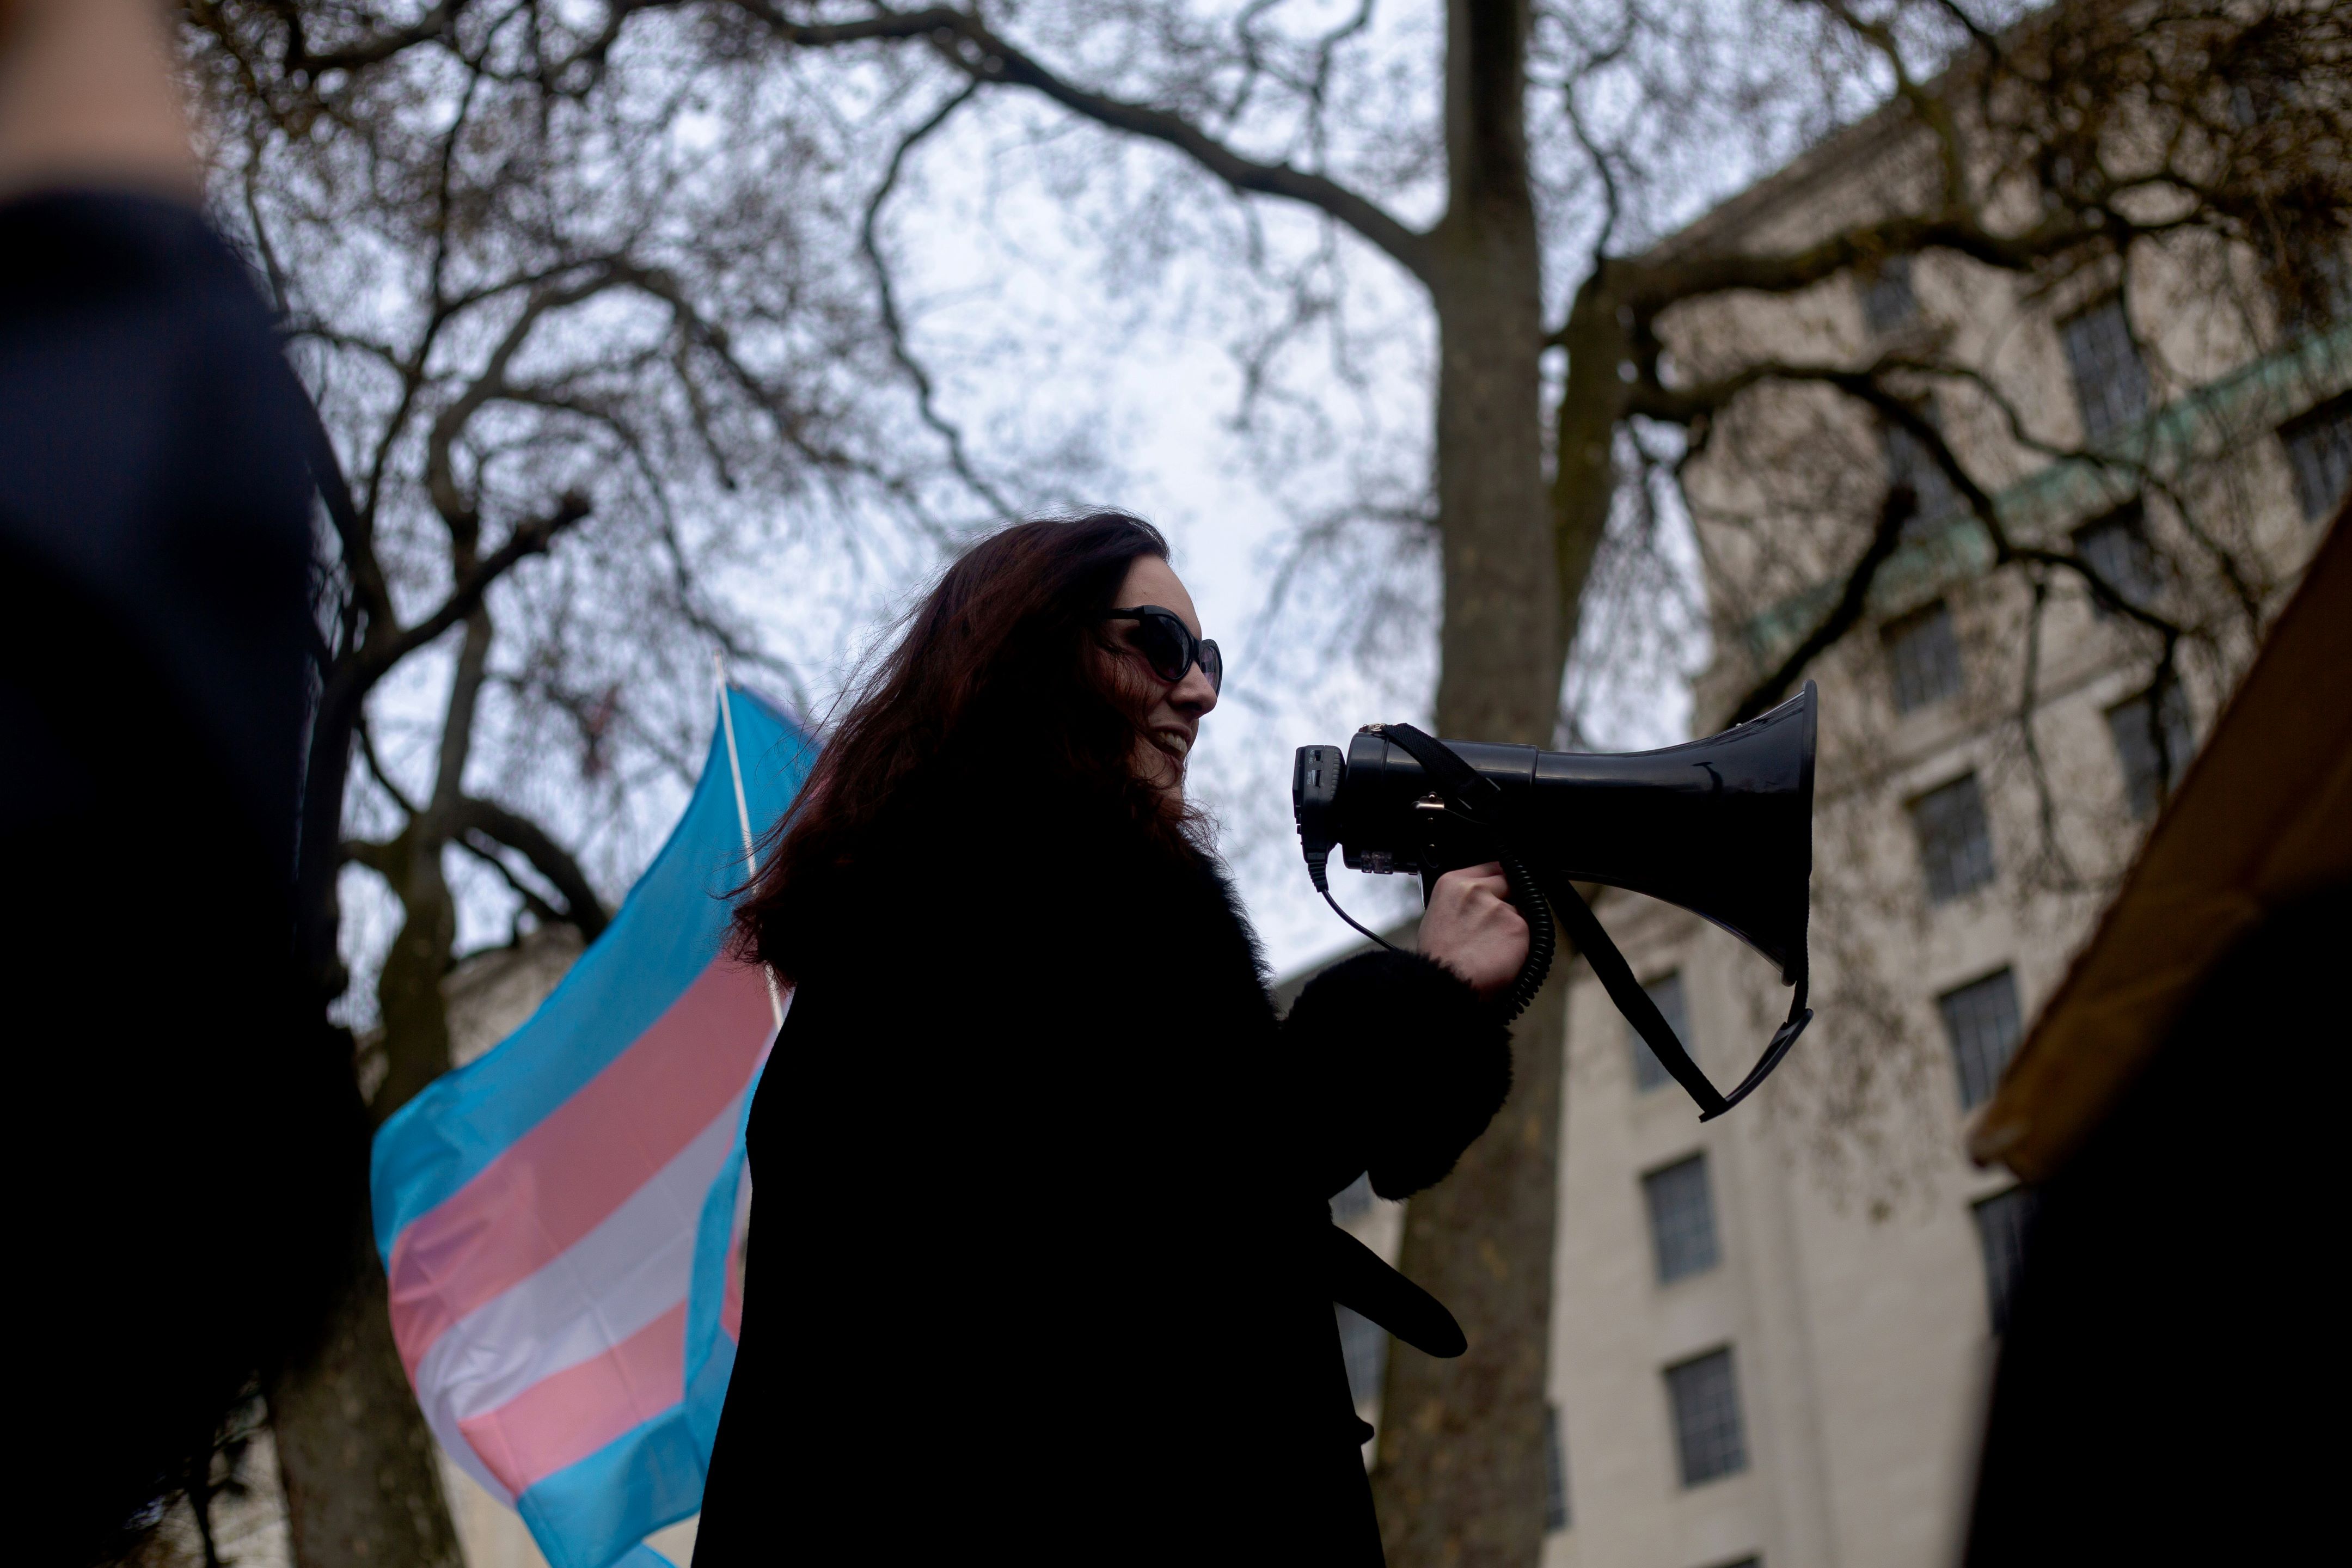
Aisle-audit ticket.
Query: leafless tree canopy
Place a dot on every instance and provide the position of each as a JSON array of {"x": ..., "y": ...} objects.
[{"x": 587, "y": 328}]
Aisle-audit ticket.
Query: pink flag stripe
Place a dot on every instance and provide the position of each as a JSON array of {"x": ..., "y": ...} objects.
[
  {"x": 621, "y": 1275},
  {"x": 568, "y": 1416},
  {"x": 557, "y": 1182}
]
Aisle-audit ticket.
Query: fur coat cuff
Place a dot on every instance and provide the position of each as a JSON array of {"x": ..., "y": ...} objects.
[{"x": 1408, "y": 1065}]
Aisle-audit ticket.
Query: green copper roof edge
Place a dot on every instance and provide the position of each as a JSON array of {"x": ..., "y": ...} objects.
[{"x": 2272, "y": 389}]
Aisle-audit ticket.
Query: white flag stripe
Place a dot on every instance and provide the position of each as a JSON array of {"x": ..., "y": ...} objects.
[{"x": 631, "y": 1267}]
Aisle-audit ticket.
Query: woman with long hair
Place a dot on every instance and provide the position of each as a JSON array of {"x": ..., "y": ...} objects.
[{"x": 1037, "y": 1260}]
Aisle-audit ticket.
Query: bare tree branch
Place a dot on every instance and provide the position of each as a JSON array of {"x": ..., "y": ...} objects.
[
  {"x": 485, "y": 849},
  {"x": 440, "y": 470},
  {"x": 987, "y": 58},
  {"x": 382, "y": 774},
  {"x": 925, "y": 400},
  {"x": 1852, "y": 598},
  {"x": 433, "y": 25},
  {"x": 530, "y": 537},
  {"x": 502, "y": 824}
]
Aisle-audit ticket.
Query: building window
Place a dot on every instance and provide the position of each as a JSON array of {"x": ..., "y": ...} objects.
[
  {"x": 2153, "y": 744},
  {"x": 1666, "y": 990},
  {"x": 1887, "y": 300},
  {"x": 1908, "y": 462},
  {"x": 1982, "y": 1021},
  {"x": 2309, "y": 281},
  {"x": 1365, "y": 1346},
  {"x": 1682, "y": 1218},
  {"x": 1923, "y": 656},
  {"x": 2110, "y": 380},
  {"x": 1707, "y": 1435},
  {"x": 2003, "y": 1222},
  {"x": 1555, "y": 1473},
  {"x": 1955, "y": 841},
  {"x": 2116, "y": 546},
  {"x": 2319, "y": 449}
]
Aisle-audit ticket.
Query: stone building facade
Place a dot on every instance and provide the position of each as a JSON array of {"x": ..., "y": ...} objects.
[{"x": 1773, "y": 1333}]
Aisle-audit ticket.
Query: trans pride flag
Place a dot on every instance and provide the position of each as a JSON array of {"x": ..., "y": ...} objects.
[{"x": 561, "y": 1220}]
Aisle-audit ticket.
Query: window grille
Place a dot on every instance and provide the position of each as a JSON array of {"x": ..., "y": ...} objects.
[
  {"x": 1982, "y": 1021},
  {"x": 1887, "y": 300},
  {"x": 2319, "y": 449},
  {"x": 1955, "y": 840},
  {"x": 1708, "y": 1434},
  {"x": 1666, "y": 990},
  {"x": 2110, "y": 379},
  {"x": 1364, "y": 1344},
  {"x": 1909, "y": 463},
  {"x": 1682, "y": 1218},
  {"x": 1923, "y": 656},
  {"x": 2004, "y": 1221},
  {"x": 2116, "y": 546},
  {"x": 2153, "y": 756},
  {"x": 1555, "y": 1473}
]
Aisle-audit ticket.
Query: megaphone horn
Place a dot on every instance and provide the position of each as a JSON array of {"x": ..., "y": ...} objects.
[{"x": 1721, "y": 827}]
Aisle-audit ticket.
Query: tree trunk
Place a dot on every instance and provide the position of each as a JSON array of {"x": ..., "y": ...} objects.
[
  {"x": 408, "y": 992},
  {"x": 1584, "y": 479},
  {"x": 1459, "y": 1480},
  {"x": 1500, "y": 676},
  {"x": 363, "y": 1483}
]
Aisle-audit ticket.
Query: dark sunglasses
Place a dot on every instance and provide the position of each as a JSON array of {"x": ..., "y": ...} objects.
[{"x": 1169, "y": 646}]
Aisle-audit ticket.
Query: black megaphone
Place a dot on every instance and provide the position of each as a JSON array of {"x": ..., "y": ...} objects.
[{"x": 1722, "y": 828}]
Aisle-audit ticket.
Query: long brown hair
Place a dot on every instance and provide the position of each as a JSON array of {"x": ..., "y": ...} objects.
[{"x": 994, "y": 686}]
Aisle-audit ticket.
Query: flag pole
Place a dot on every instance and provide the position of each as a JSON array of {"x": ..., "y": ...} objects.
[{"x": 744, "y": 810}]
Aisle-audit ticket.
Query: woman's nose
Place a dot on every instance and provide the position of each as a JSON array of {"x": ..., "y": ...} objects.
[{"x": 1194, "y": 694}]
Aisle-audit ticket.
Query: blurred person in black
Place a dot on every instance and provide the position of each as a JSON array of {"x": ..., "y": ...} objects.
[
  {"x": 186, "y": 1140},
  {"x": 2168, "y": 1378},
  {"x": 1039, "y": 1261}
]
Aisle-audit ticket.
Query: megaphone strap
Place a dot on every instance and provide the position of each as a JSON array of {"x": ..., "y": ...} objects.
[
  {"x": 1592, "y": 939},
  {"x": 1478, "y": 797}
]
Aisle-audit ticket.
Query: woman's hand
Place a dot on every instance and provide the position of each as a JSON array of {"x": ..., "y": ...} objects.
[{"x": 1472, "y": 927}]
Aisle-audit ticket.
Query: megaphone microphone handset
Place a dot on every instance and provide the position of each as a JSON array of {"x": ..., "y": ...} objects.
[{"x": 1721, "y": 827}]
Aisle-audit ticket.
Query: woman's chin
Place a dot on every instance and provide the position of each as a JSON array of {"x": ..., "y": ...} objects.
[{"x": 1162, "y": 770}]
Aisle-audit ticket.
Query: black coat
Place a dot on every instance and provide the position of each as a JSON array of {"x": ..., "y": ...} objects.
[{"x": 1042, "y": 1261}]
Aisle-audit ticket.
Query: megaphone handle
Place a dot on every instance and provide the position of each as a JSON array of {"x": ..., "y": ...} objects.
[{"x": 1543, "y": 940}]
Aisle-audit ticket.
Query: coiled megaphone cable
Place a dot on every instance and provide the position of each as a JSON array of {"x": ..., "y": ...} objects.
[{"x": 1543, "y": 938}]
